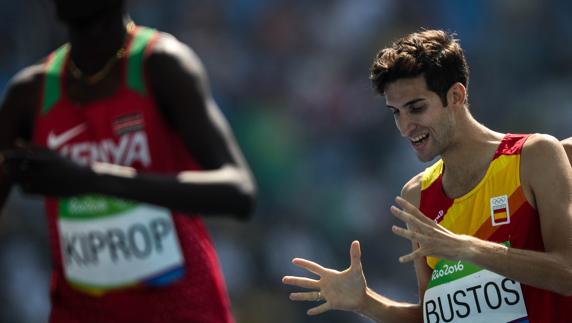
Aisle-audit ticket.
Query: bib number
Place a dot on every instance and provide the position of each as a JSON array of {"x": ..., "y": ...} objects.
[
  {"x": 463, "y": 292},
  {"x": 111, "y": 244}
]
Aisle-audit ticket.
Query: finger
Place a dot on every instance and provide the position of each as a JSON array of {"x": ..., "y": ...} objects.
[
  {"x": 305, "y": 296},
  {"x": 407, "y": 218},
  {"x": 412, "y": 256},
  {"x": 319, "y": 309},
  {"x": 300, "y": 282},
  {"x": 309, "y": 265},
  {"x": 411, "y": 209},
  {"x": 408, "y": 234},
  {"x": 355, "y": 255}
]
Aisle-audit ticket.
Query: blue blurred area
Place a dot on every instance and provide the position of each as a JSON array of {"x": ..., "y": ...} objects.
[{"x": 292, "y": 78}]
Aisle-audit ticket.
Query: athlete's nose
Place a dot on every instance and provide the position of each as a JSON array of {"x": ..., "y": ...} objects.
[{"x": 405, "y": 124}]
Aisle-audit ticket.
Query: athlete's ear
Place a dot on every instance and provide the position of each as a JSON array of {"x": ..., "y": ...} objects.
[{"x": 456, "y": 96}]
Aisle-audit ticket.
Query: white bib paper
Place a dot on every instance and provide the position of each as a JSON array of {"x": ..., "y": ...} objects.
[
  {"x": 463, "y": 292},
  {"x": 109, "y": 243}
]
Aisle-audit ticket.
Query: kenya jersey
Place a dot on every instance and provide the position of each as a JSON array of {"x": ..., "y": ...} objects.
[
  {"x": 496, "y": 210},
  {"x": 117, "y": 260}
]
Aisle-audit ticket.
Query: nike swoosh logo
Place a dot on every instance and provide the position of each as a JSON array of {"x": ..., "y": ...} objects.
[{"x": 55, "y": 141}]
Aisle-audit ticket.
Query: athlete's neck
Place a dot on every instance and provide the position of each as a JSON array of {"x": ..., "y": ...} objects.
[
  {"x": 94, "y": 43},
  {"x": 468, "y": 156}
]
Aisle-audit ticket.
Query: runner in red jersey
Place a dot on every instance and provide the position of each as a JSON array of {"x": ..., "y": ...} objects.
[
  {"x": 490, "y": 221},
  {"x": 126, "y": 142}
]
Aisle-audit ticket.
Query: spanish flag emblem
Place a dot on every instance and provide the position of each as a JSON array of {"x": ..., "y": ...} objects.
[{"x": 500, "y": 213}]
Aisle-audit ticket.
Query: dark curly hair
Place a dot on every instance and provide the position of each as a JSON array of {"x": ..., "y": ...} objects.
[{"x": 435, "y": 54}]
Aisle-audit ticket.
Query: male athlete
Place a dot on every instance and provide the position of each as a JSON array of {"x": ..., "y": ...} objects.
[
  {"x": 490, "y": 222},
  {"x": 119, "y": 131}
]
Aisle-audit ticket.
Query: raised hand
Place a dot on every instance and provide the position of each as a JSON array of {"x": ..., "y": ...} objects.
[
  {"x": 433, "y": 239},
  {"x": 341, "y": 290}
]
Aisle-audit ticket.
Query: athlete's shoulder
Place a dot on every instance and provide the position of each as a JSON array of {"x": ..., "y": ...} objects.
[
  {"x": 541, "y": 153},
  {"x": 19, "y": 104},
  {"x": 166, "y": 44},
  {"x": 541, "y": 147},
  {"x": 28, "y": 78},
  {"x": 167, "y": 51},
  {"x": 176, "y": 74},
  {"x": 24, "y": 89},
  {"x": 411, "y": 191}
]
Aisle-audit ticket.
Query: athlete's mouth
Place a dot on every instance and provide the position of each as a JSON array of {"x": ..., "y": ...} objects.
[{"x": 419, "y": 139}]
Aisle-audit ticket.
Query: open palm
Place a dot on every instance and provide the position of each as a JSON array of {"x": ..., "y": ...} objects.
[{"x": 341, "y": 290}]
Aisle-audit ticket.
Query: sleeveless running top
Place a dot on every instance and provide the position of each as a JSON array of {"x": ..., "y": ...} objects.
[
  {"x": 496, "y": 210},
  {"x": 116, "y": 260}
]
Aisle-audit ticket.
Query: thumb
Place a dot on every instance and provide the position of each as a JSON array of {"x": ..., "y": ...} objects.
[{"x": 355, "y": 255}]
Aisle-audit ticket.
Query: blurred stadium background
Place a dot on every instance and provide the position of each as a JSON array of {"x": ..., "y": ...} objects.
[{"x": 292, "y": 78}]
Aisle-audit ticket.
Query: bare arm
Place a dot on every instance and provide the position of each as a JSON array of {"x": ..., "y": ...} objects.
[
  {"x": 16, "y": 116},
  {"x": 547, "y": 182},
  {"x": 383, "y": 309},
  {"x": 347, "y": 290}
]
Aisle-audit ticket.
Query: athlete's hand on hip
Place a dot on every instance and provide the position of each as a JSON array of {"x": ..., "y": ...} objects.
[
  {"x": 340, "y": 290},
  {"x": 432, "y": 238},
  {"x": 42, "y": 171}
]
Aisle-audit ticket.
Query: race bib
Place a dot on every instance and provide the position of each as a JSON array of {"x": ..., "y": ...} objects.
[
  {"x": 462, "y": 292},
  {"x": 110, "y": 244}
]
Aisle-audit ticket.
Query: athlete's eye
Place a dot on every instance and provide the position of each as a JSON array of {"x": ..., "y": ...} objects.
[{"x": 417, "y": 109}]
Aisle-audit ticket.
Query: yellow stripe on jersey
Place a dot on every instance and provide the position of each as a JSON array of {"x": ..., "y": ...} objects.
[{"x": 471, "y": 213}]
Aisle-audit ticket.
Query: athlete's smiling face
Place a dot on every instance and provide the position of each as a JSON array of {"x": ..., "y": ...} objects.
[{"x": 420, "y": 116}]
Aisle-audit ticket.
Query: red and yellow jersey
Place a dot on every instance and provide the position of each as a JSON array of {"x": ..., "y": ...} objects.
[
  {"x": 116, "y": 260},
  {"x": 496, "y": 210}
]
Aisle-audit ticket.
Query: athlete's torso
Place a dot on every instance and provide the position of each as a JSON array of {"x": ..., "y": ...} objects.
[
  {"x": 496, "y": 210},
  {"x": 115, "y": 260}
]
